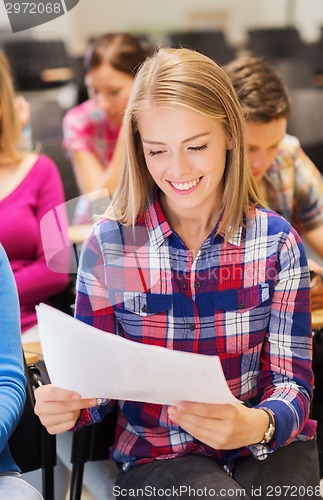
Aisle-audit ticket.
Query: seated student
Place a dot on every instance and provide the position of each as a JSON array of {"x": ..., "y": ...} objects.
[
  {"x": 286, "y": 177},
  {"x": 219, "y": 275},
  {"x": 30, "y": 186},
  {"x": 93, "y": 134},
  {"x": 12, "y": 385}
]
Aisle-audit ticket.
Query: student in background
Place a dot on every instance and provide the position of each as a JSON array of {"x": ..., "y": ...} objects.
[
  {"x": 30, "y": 186},
  {"x": 93, "y": 134},
  {"x": 219, "y": 275},
  {"x": 286, "y": 177},
  {"x": 12, "y": 385}
]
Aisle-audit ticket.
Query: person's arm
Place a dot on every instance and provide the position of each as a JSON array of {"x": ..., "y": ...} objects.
[
  {"x": 285, "y": 378},
  {"x": 36, "y": 282},
  {"x": 12, "y": 379},
  {"x": 90, "y": 173},
  {"x": 315, "y": 239},
  {"x": 308, "y": 202},
  {"x": 88, "y": 170},
  {"x": 61, "y": 410},
  {"x": 316, "y": 276}
]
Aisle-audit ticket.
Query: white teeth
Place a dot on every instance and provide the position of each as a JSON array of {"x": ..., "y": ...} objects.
[{"x": 186, "y": 185}]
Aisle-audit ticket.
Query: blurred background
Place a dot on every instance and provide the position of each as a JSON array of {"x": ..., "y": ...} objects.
[{"x": 47, "y": 60}]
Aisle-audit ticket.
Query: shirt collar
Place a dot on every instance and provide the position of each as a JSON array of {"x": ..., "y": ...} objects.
[
  {"x": 159, "y": 229},
  {"x": 157, "y": 225}
]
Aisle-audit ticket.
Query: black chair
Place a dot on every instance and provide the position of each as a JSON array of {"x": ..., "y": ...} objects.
[
  {"x": 211, "y": 43},
  {"x": 31, "y": 446},
  {"x": 314, "y": 52},
  {"x": 38, "y": 64},
  {"x": 306, "y": 122},
  {"x": 45, "y": 121},
  {"x": 317, "y": 403},
  {"x": 297, "y": 72},
  {"x": 89, "y": 444},
  {"x": 55, "y": 152},
  {"x": 284, "y": 42}
]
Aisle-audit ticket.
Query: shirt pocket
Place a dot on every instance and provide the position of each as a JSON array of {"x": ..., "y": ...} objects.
[
  {"x": 144, "y": 315},
  {"x": 146, "y": 304},
  {"x": 241, "y": 318},
  {"x": 242, "y": 299}
]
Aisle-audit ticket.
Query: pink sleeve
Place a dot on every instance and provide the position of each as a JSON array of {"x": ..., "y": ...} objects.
[
  {"x": 37, "y": 282},
  {"x": 77, "y": 131}
]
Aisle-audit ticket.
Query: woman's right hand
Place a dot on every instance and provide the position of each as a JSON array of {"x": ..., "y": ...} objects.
[{"x": 59, "y": 409}]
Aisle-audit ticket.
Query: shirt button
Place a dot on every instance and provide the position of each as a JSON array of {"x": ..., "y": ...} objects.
[
  {"x": 192, "y": 326},
  {"x": 144, "y": 309},
  {"x": 197, "y": 284},
  {"x": 241, "y": 305}
]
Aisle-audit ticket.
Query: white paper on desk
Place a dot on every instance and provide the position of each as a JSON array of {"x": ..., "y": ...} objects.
[{"x": 97, "y": 364}]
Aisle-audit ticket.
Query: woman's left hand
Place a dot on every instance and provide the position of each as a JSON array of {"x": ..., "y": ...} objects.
[
  {"x": 221, "y": 426},
  {"x": 316, "y": 285}
]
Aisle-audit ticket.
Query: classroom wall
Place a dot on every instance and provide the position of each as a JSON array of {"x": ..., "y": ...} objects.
[{"x": 93, "y": 17}]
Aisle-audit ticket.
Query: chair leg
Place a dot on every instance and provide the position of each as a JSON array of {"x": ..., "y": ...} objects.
[
  {"x": 76, "y": 481},
  {"x": 48, "y": 445}
]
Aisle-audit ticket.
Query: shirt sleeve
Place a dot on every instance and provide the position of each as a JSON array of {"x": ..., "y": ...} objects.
[
  {"x": 78, "y": 131},
  {"x": 93, "y": 306},
  {"x": 308, "y": 206},
  {"x": 37, "y": 282},
  {"x": 286, "y": 377},
  {"x": 12, "y": 379}
]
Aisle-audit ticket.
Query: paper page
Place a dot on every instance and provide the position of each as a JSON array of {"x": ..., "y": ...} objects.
[{"x": 97, "y": 364}]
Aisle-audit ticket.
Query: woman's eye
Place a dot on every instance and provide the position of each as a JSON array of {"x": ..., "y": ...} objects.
[
  {"x": 154, "y": 153},
  {"x": 198, "y": 148}
]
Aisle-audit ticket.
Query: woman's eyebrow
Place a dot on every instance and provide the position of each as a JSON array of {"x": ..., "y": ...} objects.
[{"x": 158, "y": 143}]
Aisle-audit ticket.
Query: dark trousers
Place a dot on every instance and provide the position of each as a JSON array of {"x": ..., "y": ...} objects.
[{"x": 289, "y": 472}]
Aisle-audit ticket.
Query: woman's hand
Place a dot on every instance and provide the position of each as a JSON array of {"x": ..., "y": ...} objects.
[
  {"x": 223, "y": 427},
  {"x": 59, "y": 409},
  {"x": 316, "y": 285},
  {"x": 23, "y": 109},
  {"x": 317, "y": 296}
]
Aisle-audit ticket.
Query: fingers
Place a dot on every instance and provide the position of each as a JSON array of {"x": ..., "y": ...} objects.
[
  {"x": 316, "y": 298},
  {"x": 316, "y": 283},
  {"x": 59, "y": 409},
  {"x": 205, "y": 410}
]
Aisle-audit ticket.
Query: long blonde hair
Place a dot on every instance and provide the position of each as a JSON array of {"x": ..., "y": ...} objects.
[
  {"x": 183, "y": 77},
  {"x": 10, "y": 127}
]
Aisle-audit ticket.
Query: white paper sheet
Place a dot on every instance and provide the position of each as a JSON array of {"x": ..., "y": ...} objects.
[{"x": 97, "y": 364}]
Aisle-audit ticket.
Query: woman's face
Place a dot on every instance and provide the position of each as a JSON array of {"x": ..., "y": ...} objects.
[
  {"x": 185, "y": 153},
  {"x": 110, "y": 88}
]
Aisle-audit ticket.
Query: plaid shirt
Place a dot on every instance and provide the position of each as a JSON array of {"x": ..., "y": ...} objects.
[
  {"x": 247, "y": 302},
  {"x": 87, "y": 128},
  {"x": 294, "y": 186}
]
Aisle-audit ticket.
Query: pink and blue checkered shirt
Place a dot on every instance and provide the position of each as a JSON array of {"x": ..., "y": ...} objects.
[
  {"x": 87, "y": 128},
  {"x": 294, "y": 186},
  {"x": 246, "y": 301}
]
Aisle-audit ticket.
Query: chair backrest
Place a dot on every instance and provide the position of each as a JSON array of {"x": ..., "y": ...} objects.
[
  {"x": 38, "y": 64},
  {"x": 306, "y": 122},
  {"x": 211, "y": 43},
  {"x": 46, "y": 121},
  {"x": 275, "y": 42},
  {"x": 89, "y": 444},
  {"x": 31, "y": 446},
  {"x": 296, "y": 72},
  {"x": 54, "y": 150}
]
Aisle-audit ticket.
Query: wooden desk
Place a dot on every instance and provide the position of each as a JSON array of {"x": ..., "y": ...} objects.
[
  {"x": 32, "y": 349},
  {"x": 317, "y": 319}
]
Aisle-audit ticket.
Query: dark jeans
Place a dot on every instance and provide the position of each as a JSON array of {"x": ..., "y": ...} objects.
[{"x": 290, "y": 472}]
